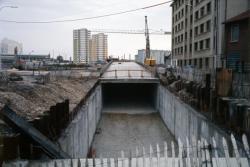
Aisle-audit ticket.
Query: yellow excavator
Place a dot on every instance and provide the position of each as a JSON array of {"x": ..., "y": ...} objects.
[{"x": 148, "y": 59}]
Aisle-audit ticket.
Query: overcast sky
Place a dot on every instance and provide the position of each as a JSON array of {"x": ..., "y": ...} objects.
[{"x": 44, "y": 38}]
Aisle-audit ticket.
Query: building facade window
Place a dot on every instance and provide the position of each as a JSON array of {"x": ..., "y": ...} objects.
[
  {"x": 235, "y": 33},
  {"x": 196, "y": 46},
  {"x": 202, "y": 11},
  {"x": 196, "y": 15},
  {"x": 191, "y": 33},
  {"x": 202, "y": 28},
  {"x": 207, "y": 62},
  {"x": 201, "y": 45},
  {"x": 200, "y": 63},
  {"x": 196, "y": 30},
  {"x": 196, "y": 2},
  {"x": 208, "y": 43},
  {"x": 208, "y": 25},
  {"x": 209, "y": 7}
]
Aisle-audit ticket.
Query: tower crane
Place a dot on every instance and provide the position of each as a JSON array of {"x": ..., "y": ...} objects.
[
  {"x": 147, "y": 39},
  {"x": 148, "y": 59},
  {"x": 132, "y": 32}
]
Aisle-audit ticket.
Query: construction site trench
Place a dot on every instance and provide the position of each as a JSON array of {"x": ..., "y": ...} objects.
[
  {"x": 117, "y": 117},
  {"x": 129, "y": 120}
]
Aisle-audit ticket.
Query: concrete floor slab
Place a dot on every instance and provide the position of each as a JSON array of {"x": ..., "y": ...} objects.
[
  {"x": 127, "y": 70},
  {"x": 125, "y": 132}
]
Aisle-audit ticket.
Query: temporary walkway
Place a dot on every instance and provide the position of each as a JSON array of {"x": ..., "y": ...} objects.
[{"x": 127, "y": 72}]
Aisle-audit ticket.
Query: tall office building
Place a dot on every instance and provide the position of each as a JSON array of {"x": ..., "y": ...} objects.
[
  {"x": 81, "y": 46},
  {"x": 99, "y": 47},
  {"x": 11, "y": 47},
  {"x": 198, "y": 30}
]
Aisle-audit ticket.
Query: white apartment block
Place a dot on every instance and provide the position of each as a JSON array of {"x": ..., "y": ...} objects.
[
  {"x": 81, "y": 46},
  {"x": 11, "y": 47},
  {"x": 99, "y": 47},
  {"x": 198, "y": 30}
]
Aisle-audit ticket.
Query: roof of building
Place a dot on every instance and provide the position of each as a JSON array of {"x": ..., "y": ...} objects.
[{"x": 240, "y": 17}]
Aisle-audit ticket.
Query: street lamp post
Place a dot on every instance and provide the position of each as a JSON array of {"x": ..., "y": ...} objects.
[{"x": 1, "y": 8}]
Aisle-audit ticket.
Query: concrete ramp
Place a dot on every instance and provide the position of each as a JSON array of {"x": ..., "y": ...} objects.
[{"x": 11, "y": 117}]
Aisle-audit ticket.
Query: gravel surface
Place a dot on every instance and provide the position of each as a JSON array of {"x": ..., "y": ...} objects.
[{"x": 125, "y": 132}]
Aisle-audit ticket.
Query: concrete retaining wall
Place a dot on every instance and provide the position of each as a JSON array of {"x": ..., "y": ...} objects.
[
  {"x": 184, "y": 122},
  {"x": 77, "y": 138}
]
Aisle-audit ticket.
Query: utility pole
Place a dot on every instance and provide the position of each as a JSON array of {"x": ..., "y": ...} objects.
[{"x": 147, "y": 39}]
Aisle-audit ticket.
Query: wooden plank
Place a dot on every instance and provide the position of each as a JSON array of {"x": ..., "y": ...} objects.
[
  {"x": 112, "y": 162},
  {"x": 150, "y": 151},
  {"x": 195, "y": 153},
  {"x": 188, "y": 160},
  {"x": 133, "y": 162},
  {"x": 244, "y": 162},
  {"x": 162, "y": 162},
  {"x": 224, "y": 143},
  {"x": 199, "y": 153},
  {"x": 207, "y": 154},
  {"x": 122, "y": 159},
  {"x": 180, "y": 152},
  {"x": 101, "y": 160},
  {"x": 158, "y": 154},
  {"x": 215, "y": 162},
  {"x": 147, "y": 162},
  {"x": 165, "y": 150},
  {"x": 105, "y": 162},
  {"x": 165, "y": 153},
  {"x": 140, "y": 162},
  {"x": 173, "y": 153},
  {"x": 120, "y": 162},
  {"x": 246, "y": 145},
  {"x": 98, "y": 163},
  {"x": 154, "y": 162},
  {"x": 236, "y": 151}
]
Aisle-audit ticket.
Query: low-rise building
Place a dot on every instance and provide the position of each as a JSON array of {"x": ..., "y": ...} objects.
[
  {"x": 161, "y": 56},
  {"x": 22, "y": 60},
  {"x": 237, "y": 43},
  {"x": 11, "y": 47}
]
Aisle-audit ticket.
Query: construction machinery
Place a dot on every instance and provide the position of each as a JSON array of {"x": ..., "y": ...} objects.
[{"x": 148, "y": 59}]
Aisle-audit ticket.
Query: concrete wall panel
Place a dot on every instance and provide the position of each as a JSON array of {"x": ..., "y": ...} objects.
[
  {"x": 78, "y": 136},
  {"x": 184, "y": 122}
]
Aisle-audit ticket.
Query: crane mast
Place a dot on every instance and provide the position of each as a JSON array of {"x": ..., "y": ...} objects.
[{"x": 147, "y": 39}]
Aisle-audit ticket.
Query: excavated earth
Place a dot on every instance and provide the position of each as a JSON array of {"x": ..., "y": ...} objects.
[{"x": 31, "y": 100}]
